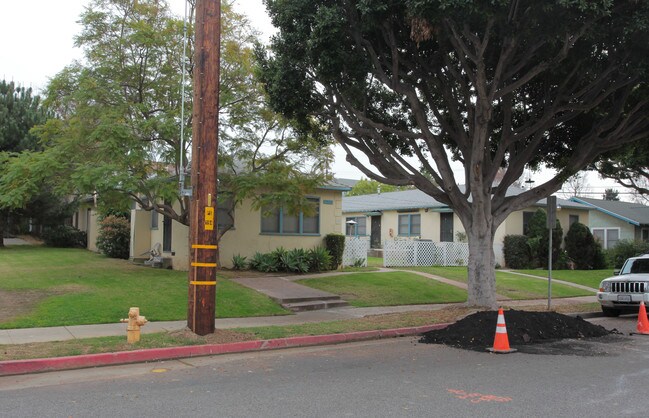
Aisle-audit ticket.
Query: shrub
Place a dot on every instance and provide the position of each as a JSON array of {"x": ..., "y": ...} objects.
[
  {"x": 582, "y": 248},
  {"x": 256, "y": 261},
  {"x": 238, "y": 262},
  {"x": 335, "y": 244},
  {"x": 278, "y": 255},
  {"x": 624, "y": 249},
  {"x": 296, "y": 261},
  {"x": 114, "y": 237},
  {"x": 268, "y": 263},
  {"x": 517, "y": 252},
  {"x": 64, "y": 236},
  {"x": 319, "y": 259}
]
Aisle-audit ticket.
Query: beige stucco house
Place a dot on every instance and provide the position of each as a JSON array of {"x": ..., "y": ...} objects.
[
  {"x": 412, "y": 214},
  {"x": 252, "y": 231}
]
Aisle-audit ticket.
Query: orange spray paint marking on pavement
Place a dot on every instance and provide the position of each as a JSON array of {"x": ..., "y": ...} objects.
[{"x": 478, "y": 397}]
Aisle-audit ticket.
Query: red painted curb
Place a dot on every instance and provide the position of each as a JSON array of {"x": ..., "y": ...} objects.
[{"x": 14, "y": 367}]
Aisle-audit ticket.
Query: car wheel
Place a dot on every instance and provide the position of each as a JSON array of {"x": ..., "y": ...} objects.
[{"x": 610, "y": 311}]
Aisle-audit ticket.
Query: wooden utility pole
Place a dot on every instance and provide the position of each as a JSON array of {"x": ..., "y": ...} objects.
[{"x": 205, "y": 126}]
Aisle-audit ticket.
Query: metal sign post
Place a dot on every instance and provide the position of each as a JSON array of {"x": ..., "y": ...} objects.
[{"x": 551, "y": 223}]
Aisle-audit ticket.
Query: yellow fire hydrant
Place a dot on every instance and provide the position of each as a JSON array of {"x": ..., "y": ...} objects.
[{"x": 135, "y": 321}]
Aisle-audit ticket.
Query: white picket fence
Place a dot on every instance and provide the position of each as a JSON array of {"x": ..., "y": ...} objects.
[
  {"x": 402, "y": 253},
  {"x": 356, "y": 249}
]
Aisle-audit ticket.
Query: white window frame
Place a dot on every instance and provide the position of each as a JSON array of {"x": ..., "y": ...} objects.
[{"x": 606, "y": 230}]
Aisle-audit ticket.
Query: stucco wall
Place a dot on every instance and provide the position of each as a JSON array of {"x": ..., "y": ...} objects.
[
  {"x": 86, "y": 220},
  {"x": 140, "y": 233},
  {"x": 602, "y": 220}
]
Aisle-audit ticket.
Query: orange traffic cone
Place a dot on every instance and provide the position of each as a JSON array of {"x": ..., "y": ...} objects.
[
  {"x": 643, "y": 322},
  {"x": 501, "y": 341}
]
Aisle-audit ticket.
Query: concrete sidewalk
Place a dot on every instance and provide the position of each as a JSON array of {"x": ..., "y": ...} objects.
[{"x": 34, "y": 335}]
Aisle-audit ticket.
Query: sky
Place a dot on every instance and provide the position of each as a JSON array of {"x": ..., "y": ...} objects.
[{"x": 38, "y": 42}]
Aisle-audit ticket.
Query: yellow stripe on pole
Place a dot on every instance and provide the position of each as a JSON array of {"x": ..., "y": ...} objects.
[
  {"x": 213, "y": 265},
  {"x": 204, "y": 247},
  {"x": 194, "y": 283}
]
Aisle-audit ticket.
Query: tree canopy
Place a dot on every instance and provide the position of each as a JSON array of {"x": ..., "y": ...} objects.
[
  {"x": 119, "y": 130},
  {"x": 365, "y": 186},
  {"x": 19, "y": 112},
  {"x": 492, "y": 84},
  {"x": 628, "y": 166}
]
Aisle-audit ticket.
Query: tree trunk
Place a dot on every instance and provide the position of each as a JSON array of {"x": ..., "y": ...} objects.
[
  {"x": 481, "y": 268},
  {"x": 480, "y": 229}
]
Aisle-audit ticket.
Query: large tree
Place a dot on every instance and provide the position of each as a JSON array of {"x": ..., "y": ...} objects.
[
  {"x": 492, "y": 84},
  {"x": 119, "y": 130}
]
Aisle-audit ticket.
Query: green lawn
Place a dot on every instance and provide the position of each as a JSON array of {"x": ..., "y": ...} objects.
[
  {"x": 590, "y": 278},
  {"x": 387, "y": 289},
  {"x": 374, "y": 262},
  {"x": 510, "y": 285},
  {"x": 74, "y": 287}
]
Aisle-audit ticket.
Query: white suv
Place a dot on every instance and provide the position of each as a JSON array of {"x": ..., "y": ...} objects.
[{"x": 623, "y": 292}]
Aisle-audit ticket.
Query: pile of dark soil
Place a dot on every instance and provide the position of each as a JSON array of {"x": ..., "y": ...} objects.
[{"x": 477, "y": 331}]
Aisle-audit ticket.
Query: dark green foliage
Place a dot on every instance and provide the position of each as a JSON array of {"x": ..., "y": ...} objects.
[
  {"x": 319, "y": 259},
  {"x": 517, "y": 252},
  {"x": 238, "y": 262},
  {"x": 582, "y": 248},
  {"x": 255, "y": 261},
  {"x": 19, "y": 112},
  {"x": 297, "y": 260},
  {"x": 538, "y": 237},
  {"x": 264, "y": 262},
  {"x": 277, "y": 256},
  {"x": 624, "y": 249},
  {"x": 537, "y": 224},
  {"x": 114, "y": 237},
  {"x": 64, "y": 236},
  {"x": 335, "y": 244}
]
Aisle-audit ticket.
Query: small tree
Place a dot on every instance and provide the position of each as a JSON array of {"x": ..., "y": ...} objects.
[
  {"x": 583, "y": 249},
  {"x": 611, "y": 194},
  {"x": 335, "y": 244},
  {"x": 114, "y": 237},
  {"x": 365, "y": 186},
  {"x": 517, "y": 252}
]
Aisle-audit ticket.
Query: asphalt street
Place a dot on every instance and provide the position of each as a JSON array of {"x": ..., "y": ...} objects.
[{"x": 397, "y": 377}]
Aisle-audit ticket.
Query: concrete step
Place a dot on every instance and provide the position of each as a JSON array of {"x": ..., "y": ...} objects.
[
  {"x": 314, "y": 305},
  {"x": 299, "y": 299}
]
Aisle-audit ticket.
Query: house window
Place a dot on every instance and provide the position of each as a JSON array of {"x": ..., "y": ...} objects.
[
  {"x": 280, "y": 221},
  {"x": 608, "y": 237},
  {"x": 225, "y": 212},
  {"x": 154, "y": 219},
  {"x": 644, "y": 235},
  {"x": 410, "y": 225},
  {"x": 527, "y": 217},
  {"x": 166, "y": 232},
  {"x": 360, "y": 228},
  {"x": 572, "y": 219}
]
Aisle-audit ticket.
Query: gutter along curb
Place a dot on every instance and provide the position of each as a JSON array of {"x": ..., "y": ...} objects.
[{"x": 15, "y": 367}]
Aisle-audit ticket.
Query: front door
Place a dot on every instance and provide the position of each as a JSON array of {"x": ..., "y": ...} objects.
[
  {"x": 446, "y": 227},
  {"x": 375, "y": 237}
]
